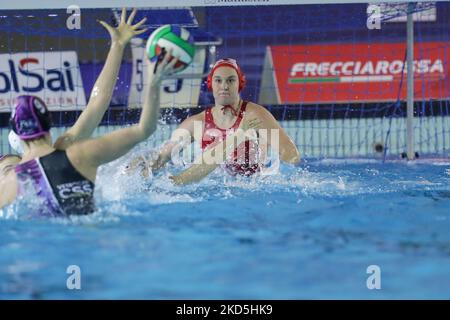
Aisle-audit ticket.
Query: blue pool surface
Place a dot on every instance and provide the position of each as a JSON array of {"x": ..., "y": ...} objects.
[{"x": 309, "y": 232}]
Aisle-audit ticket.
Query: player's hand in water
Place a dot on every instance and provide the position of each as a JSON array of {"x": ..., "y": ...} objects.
[
  {"x": 176, "y": 180},
  {"x": 125, "y": 30},
  {"x": 144, "y": 164},
  {"x": 140, "y": 163}
]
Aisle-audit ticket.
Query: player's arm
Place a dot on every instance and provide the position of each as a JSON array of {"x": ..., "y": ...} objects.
[
  {"x": 182, "y": 137},
  {"x": 103, "y": 88},
  {"x": 8, "y": 189},
  {"x": 212, "y": 157},
  {"x": 286, "y": 147},
  {"x": 194, "y": 173},
  {"x": 88, "y": 155}
]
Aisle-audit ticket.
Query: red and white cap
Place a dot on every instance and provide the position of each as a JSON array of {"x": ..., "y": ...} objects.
[{"x": 227, "y": 62}]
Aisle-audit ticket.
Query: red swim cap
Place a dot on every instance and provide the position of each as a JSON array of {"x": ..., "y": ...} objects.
[{"x": 227, "y": 62}]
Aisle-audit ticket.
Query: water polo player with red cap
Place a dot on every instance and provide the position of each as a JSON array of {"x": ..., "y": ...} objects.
[
  {"x": 212, "y": 133},
  {"x": 229, "y": 113}
]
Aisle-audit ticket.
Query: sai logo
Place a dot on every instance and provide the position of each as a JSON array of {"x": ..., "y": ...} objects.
[
  {"x": 29, "y": 77},
  {"x": 53, "y": 76}
]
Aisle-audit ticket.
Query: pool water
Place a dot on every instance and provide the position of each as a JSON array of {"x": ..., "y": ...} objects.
[{"x": 309, "y": 232}]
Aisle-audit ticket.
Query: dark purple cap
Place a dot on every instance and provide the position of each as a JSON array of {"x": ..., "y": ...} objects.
[{"x": 30, "y": 119}]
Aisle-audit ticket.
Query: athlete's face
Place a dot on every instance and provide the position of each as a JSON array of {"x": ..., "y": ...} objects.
[
  {"x": 8, "y": 163},
  {"x": 225, "y": 85}
]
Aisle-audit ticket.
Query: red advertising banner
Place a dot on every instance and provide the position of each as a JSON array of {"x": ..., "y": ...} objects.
[{"x": 362, "y": 72}]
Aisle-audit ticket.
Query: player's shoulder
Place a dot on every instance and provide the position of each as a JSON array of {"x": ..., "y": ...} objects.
[{"x": 255, "y": 109}]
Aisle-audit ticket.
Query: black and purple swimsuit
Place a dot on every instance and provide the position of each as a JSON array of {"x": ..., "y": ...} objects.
[{"x": 54, "y": 179}]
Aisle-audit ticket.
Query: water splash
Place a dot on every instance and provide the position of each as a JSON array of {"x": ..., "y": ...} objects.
[{"x": 118, "y": 191}]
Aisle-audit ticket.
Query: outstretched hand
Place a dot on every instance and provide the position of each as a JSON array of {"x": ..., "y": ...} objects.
[
  {"x": 163, "y": 67},
  {"x": 125, "y": 30}
]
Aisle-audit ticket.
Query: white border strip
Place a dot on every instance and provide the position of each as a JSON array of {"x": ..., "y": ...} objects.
[{"x": 63, "y": 4}]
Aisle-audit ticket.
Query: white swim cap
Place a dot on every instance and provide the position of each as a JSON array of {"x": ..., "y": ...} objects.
[{"x": 15, "y": 142}]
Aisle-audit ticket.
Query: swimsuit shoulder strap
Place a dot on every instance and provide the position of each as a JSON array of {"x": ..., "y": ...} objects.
[{"x": 240, "y": 115}]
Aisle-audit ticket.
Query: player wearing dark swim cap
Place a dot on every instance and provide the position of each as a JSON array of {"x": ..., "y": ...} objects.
[
  {"x": 64, "y": 179},
  {"x": 102, "y": 90}
]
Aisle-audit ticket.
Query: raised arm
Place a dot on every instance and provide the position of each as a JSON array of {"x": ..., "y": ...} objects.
[
  {"x": 88, "y": 155},
  {"x": 103, "y": 88}
]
